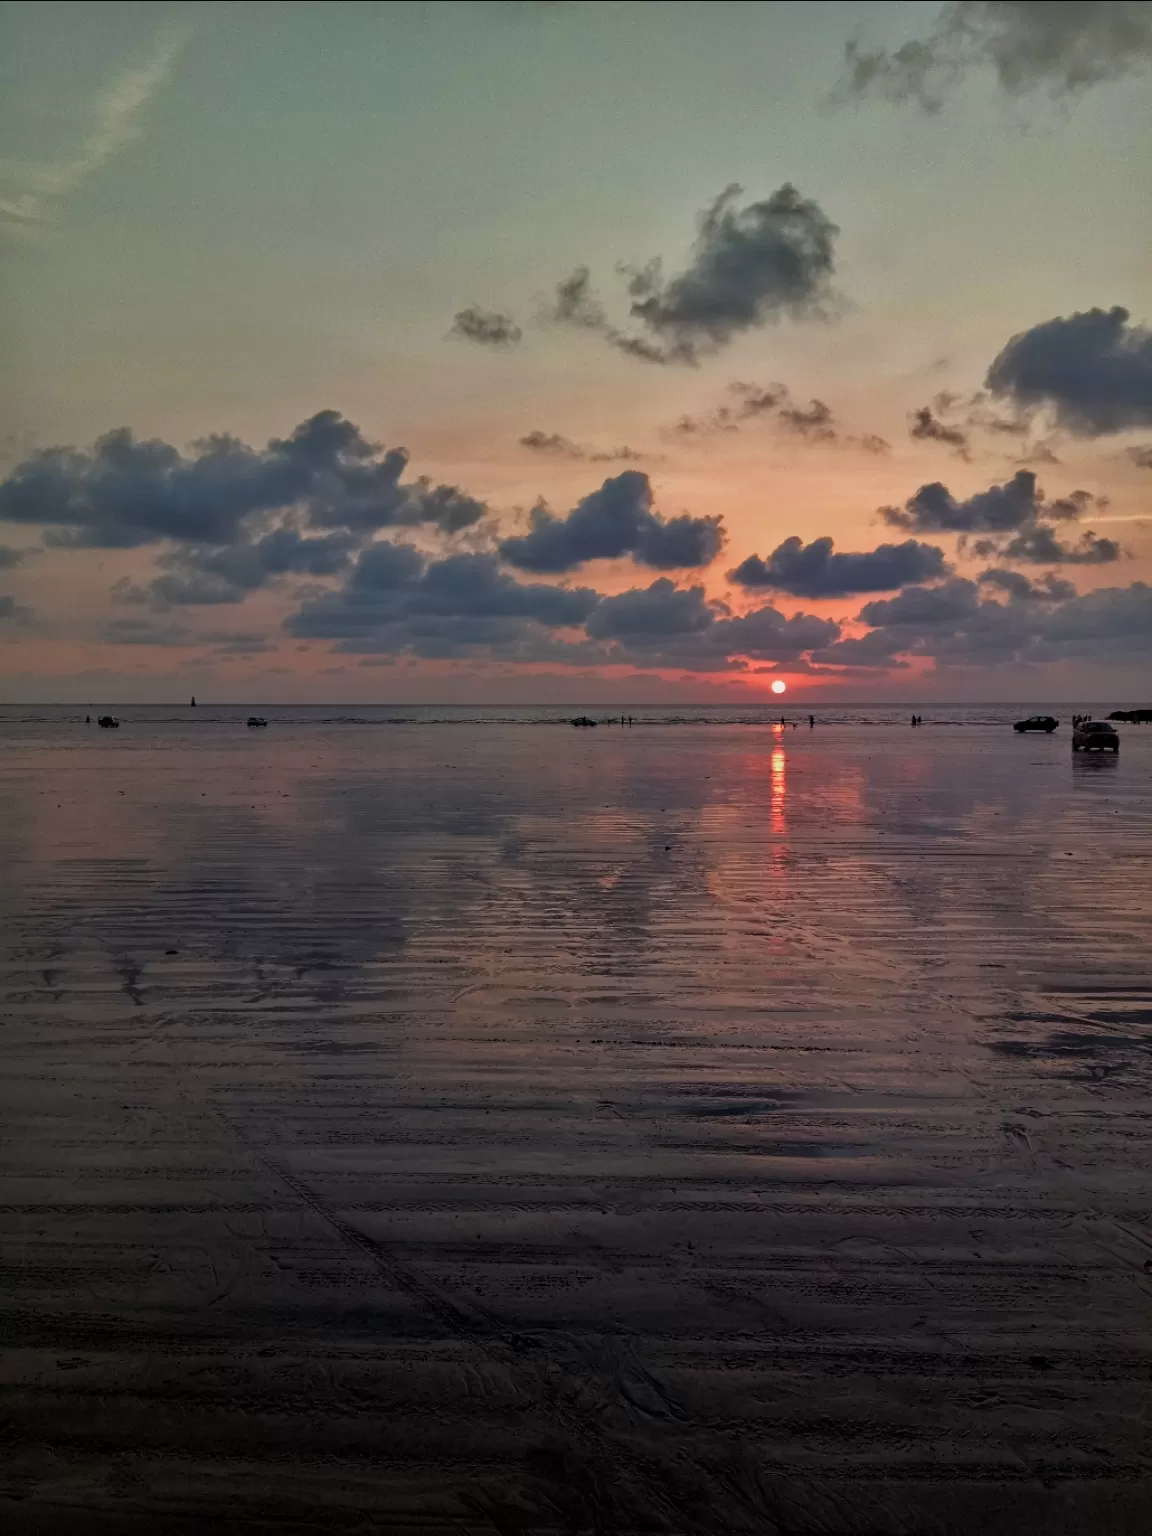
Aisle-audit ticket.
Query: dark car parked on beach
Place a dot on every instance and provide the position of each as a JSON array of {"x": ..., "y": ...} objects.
[
  {"x": 1037, "y": 723},
  {"x": 1095, "y": 736}
]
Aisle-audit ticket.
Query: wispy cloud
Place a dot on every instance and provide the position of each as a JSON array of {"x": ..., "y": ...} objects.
[{"x": 37, "y": 190}]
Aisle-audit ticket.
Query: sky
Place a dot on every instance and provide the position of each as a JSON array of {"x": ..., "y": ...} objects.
[{"x": 507, "y": 352}]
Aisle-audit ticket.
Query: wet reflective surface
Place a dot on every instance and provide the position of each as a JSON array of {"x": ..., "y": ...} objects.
[{"x": 688, "y": 1129}]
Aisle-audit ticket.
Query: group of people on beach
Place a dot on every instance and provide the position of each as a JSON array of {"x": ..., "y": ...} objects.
[{"x": 917, "y": 719}]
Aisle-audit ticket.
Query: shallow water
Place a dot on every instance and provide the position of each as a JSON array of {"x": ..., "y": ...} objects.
[{"x": 698, "y": 1127}]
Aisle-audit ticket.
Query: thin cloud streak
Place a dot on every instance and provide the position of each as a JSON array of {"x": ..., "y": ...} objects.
[{"x": 115, "y": 124}]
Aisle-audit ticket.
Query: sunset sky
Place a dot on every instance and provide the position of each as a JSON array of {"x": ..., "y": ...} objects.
[{"x": 486, "y": 352}]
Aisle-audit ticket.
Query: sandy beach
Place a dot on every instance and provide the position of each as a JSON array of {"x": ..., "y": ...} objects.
[{"x": 512, "y": 1129}]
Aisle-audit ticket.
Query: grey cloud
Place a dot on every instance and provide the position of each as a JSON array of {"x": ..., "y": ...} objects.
[
  {"x": 486, "y": 327},
  {"x": 395, "y": 599},
  {"x": 654, "y": 612},
  {"x": 147, "y": 632},
  {"x": 1141, "y": 456},
  {"x": 1061, "y": 46},
  {"x": 610, "y": 522},
  {"x": 750, "y": 266},
  {"x": 10, "y": 557},
  {"x": 924, "y": 606},
  {"x": 12, "y": 611},
  {"x": 1038, "y": 545},
  {"x": 814, "y": 422},
  {"x": 814, "y": 570},
  {"x": 560, "y": 447},
  {"x": 1093, "y": 370},
  {"x": 664, "y": 625},
  {"x": 1112, "y": 622},
  {"x": 1007, "y": 522},
  {"x": 124, "y": 493},
  {"x": 1051, "y": 589},
  {"x": 228, "y": 573},
  {"x": 925, "y": 425},
  {"x": 871, "y": 651}
]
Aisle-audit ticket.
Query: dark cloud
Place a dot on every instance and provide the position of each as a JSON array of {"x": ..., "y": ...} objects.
[
  {"x": 933, "y": 508},
  {"x": 655, "y": 612},
  {"x": 1112, "y": 623},
  {"x": 124, "y": 493},
  {"x": 814, "y": 422},
  {"x": 173, "y": 635},
  {"x": 669, "y": 626},
  {"x": 750, "y": 266},
  {"x": 1093, "y": 370},
  {"x": 560, "y": 447},
  {"x": 925, "y": 425},
  {"x": 1142, "y": 456},
  {"x": 814, "y": 570},
  {"x": 396, "y": 599},
  {"x": 1007, "y": 522},
  {"x": 10, "y": 557},
  {"x": 486, "y": 327},
  {"x": 1063, "y": 47},
  {"x": 920, "y": 607},
  {"x": 1051, "y": 589},
  {"x": 613, "y": 521},
  {"x": 228, "y": 573},
  {"x": 12, "y": 611},
  {"x": 872, "y": 651},
  {"x": 1046, "y": 623},
  {"x": 1038, "y": 545}
]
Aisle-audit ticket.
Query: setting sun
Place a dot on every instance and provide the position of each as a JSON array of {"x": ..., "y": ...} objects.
[{"x": 779, "y": 686}]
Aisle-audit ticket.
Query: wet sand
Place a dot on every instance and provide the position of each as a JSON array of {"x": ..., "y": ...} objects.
[{"x": 534, "y": 1131}]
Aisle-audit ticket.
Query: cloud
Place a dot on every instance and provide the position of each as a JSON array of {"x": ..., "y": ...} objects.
[
  {"x": 1141, "y": 456},
  {"x": 814, "y": 570},
  {"x": 124, "y": 493},
  {"x": 13, "y": 612},
  {"x": 815, "y": 423},
  {"x": 923, "y": 606},
  {"x": 10, "y": 557},
  {"x": 229, "y": 572},
  {"x": 486, "y": 327},
  {"x": 951, "y": 626},
  {"x": 653, "y": 613},
  {"x": 560, "y": 447},
  {"x": 750, "y": 267},
  {"x": 927, "y": 427},
  {"x": 1093, "y": 370},
  {"x": 668, "y": 626},
  {"x": 396, "y": 599},
  {"x": 173, "y": 635},
  {"x": 1008, "y": 522},
  {"x": 115, "y": 124},
  {"x": 1051, "y": 589},
  {"x": 613, "y": 521},
  {"x": 1064, "y": 47},
  {"x": 1038, "y": 545}
]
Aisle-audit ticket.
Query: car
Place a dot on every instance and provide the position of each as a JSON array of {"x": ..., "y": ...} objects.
[
  {"x": 1095, "y": 736},
  {"x": 1037, "y": 723}
]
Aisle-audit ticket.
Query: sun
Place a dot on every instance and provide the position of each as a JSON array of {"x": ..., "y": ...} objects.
[{"x": 779, "y": 686}]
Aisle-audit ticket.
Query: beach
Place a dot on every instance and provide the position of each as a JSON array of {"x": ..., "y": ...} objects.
[{"x": 478, "y": 1124}]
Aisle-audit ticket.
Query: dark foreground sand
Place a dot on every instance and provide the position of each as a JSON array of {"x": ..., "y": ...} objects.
[{"x": 538, "y": 1131}]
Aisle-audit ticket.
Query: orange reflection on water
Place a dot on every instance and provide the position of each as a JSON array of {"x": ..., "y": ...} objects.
[{"x": 779, "y": 766}]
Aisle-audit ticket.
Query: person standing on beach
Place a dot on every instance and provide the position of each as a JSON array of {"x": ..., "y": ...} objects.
[{"x": 811, "y": 722}]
